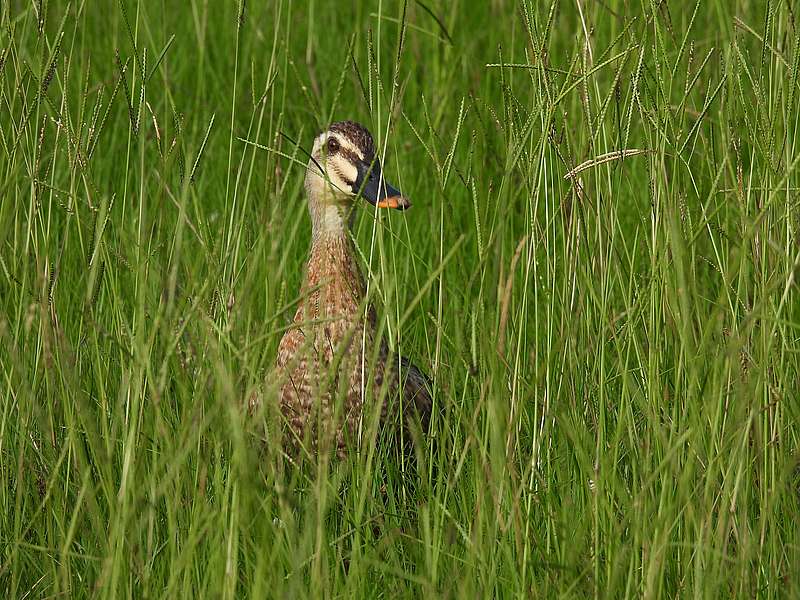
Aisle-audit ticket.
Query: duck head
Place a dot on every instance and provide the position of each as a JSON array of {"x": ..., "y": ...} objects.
[{"x": 343, "y": 168}]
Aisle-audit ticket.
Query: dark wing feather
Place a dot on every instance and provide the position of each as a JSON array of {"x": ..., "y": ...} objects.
[{"x": 417, "y": 403}]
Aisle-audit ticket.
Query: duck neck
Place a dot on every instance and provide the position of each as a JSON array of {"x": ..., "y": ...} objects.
[
  {"x": 331, "y": 217},
  {"x": 332, "y": 255},
  {"x": 329, "y": 221}
]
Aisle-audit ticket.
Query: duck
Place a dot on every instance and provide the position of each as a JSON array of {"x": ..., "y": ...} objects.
[{"x": 332, "y": 364}]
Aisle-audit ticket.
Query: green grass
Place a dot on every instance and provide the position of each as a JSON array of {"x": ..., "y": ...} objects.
[{"x": 616, "y": 354}]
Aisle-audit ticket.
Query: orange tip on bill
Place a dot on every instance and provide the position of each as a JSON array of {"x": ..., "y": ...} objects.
[{"x": 399, "y": 202}]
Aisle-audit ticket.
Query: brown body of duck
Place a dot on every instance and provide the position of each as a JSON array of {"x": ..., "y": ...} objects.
[{"x": 330, "y": 362}]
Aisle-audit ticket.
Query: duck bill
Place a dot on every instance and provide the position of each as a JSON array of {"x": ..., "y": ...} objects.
[
  {"x": 397, "y": 202},
  {"x": 384, "y": 195}
]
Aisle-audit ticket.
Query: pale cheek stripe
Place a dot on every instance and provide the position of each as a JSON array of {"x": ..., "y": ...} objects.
[
  {"x": 339, "y": 179},
  {"x": 346, "y": 169}
]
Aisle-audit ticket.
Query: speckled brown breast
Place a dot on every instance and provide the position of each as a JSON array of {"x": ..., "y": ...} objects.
[{"x": 320, "y": 358}]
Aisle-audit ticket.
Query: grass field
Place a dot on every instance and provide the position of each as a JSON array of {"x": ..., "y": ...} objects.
[{"x": 614, "y": 337}]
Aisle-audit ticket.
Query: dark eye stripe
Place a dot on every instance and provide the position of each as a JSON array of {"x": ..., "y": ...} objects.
[{"x": 351, "y": 156}]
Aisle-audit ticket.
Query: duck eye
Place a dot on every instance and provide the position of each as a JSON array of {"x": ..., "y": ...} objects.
[{"x": 333, "y": 145}]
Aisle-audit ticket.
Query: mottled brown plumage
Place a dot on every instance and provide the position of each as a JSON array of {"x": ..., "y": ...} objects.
[{"x": 325, "y": 361}]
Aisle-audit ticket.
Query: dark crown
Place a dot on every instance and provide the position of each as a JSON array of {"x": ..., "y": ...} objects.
[{"x": 358, "y": 135}]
